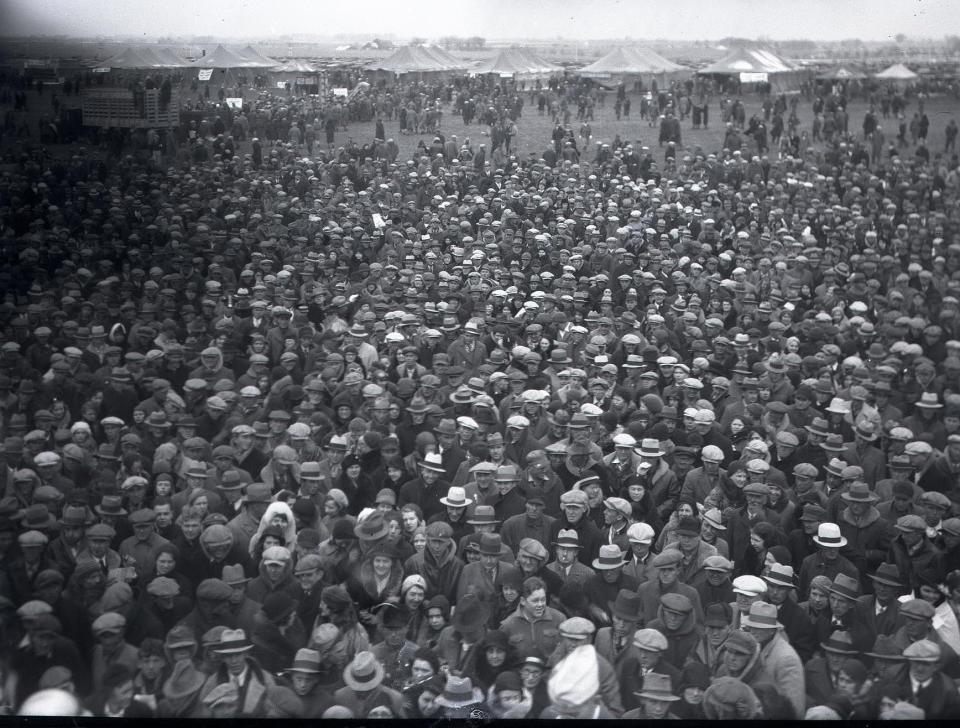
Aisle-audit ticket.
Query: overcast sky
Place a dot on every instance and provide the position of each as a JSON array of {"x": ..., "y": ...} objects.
[{"x": 586, "y": 19}]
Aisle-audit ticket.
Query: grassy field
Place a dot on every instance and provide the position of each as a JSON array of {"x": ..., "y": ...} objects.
[{"x": 534, "y": 130}]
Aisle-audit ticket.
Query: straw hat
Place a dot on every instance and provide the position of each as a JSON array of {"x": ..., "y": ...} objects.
[{"x": 364, "y": 672}]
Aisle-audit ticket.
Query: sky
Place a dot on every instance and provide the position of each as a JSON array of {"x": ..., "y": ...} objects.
[{"x": 869, "y": 20}]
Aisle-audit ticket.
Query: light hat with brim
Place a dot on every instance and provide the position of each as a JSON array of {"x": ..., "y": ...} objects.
[
  {"x": 185, "y": 680},
  {"x": 828, "y": 534},
  {"x": 657, "y": 687},
  {"x": 306, "y": 661},
  {"x": 233, "y": 641},
  {"x": 432, "y": 461},
  {"x": 610, "y": 557},
  {"x": 364, "y": 673},
  {"x": 459, "y": 693},
  {"x": 761, "y": 616}
]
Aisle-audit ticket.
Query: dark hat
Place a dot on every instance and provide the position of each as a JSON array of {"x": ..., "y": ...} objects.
[
  {"x": 278, "y": 605},
  {"x": 627, "y": 605},
  {"x": 718, "y": 614},
  {"x": 490, "y": 544},
  {"x": 859, "y": 492},
  {"x": 470, "y": 613},
  {"x": 845, "y": 586},
  {"x": 689, "y": 525},
  {"x": 839, "y": 642},
  {"x": 888, "y": 574}
]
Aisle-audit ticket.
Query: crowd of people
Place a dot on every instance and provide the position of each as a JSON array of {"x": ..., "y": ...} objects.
[{"x": 551, "y": 435}]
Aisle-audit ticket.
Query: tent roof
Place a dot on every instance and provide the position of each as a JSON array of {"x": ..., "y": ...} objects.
[
  {"x": 222, "y": 58},
  {"x": 630, "y": 60},
  {"x": 410, "y": 59},
  {"x": 252, "y": 54},
  {"x": 295, "y": 67},
  {"x": 749, "y": 60},
  {"x": 512, "y": 61},
  {"x": 445, "y": 56},
  {"x": 170, "y": 58},
  {"x": 897, "y": 72},
  {"x": 841, "y": 74},
  {"x": 132, "y": 57}
]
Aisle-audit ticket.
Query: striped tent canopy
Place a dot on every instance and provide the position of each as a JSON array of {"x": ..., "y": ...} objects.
[
  {"x": 223, "y": 58},
  {"x": 749, "y": 60},
  {"x": 412, "y": 59},
  {"x": 262, "y": 61},
  {"x": 896, "y": 72},
  {"x": 516, "y": 62},
  {"x": 630, "y": 61}
]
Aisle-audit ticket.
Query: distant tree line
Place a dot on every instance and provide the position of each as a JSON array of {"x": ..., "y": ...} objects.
[{"x": 455, "y": 43}]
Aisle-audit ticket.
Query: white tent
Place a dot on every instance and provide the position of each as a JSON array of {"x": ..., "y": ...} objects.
[
  {"x": 630, "y": 62},
  {"x": 896, "y": 72},
  {"x": 517, "y": 63}
]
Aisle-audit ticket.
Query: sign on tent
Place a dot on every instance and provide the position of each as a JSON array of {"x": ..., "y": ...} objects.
[
  {"x": 340, "y": 92},
  {"x": 205, "y": 74},
  {"x": 234, "y": 103},
  {"x": 753, "y": 77}
]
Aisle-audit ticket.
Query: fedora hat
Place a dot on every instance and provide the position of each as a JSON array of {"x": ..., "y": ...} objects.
[
  {"x": 433, "y": 461},
  {"x": 886, "y": 648},
  {"x": 866, "y": 430},
  {"x": 845, "y": 586},
  {"x": 490, "y": 544},
  {"x": 627, "y": 605},
  {"x": 364, "y": 673},
  {"x": 483, "y": 514},
  {"x": 610, "y": 557},
  {"x": 657, "y": 687},
  {"x": 781, "y": 575},
  {"x": 470, "y": 613},
  {"x": 818, "y": 426},
  {"x": 567, "y": 538},
  {"x": 928, "y": 400},
  {"x": 650, "y": 448},
  {"x": 888, "y": 574},
  {"x": 36, "y": 518},
  {"x": 459, "y": 693},
  {"x": 833, "y": 443},
  {"x": 840, "y": 643},
  {"x": 761, "y": 616},
  {"x": 446, "y": 427},
  {"x": 860, "y": 493},
  {"x": 456, "y": 498},
  {"x": 461, "y": 395},
  {"x": 828, "y": 534},
  {"x": 76, "y": 516},
  {"x": 306, "y": 660},
  {"x": 233, "y": 641},
  {"x": 232, "y": 574},
  {"x": 185, "y": 680},
  {"x": 372, "y": 527},
  {"x": 417, "y": 405}
]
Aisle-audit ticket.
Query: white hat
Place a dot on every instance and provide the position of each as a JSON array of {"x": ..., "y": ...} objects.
[
  {"x": 712, "y": 453},
  {"x": 624, "y": 440},
  {"x": 640, "y": 533},
  {"x": 828, "y": 534},
  {"x": 749, "y": 585}
]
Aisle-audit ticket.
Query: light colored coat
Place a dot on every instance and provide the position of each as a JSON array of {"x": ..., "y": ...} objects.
[{"x": 785, "y": 668}]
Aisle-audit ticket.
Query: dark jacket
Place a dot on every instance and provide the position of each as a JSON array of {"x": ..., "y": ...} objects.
[{"x": 927, "y": 560}]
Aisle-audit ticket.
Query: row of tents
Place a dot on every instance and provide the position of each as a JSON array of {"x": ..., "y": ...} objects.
[{"x": 750, "y": 64}]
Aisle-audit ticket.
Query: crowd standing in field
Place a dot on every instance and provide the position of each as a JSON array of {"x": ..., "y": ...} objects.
[{"x": 585, "y": 431}]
